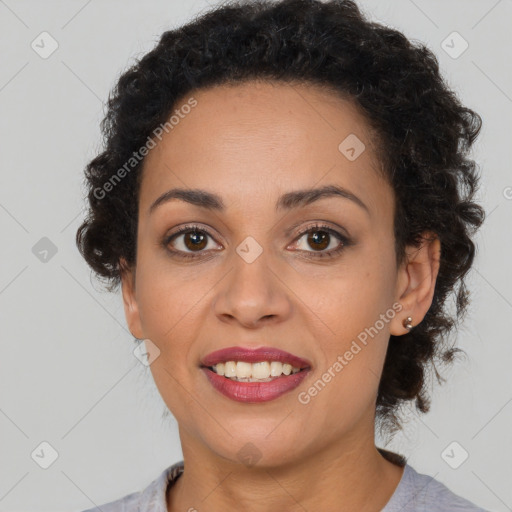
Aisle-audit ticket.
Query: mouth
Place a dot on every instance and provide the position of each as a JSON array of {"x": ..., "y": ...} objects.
[{"x": 257, "y": 375}]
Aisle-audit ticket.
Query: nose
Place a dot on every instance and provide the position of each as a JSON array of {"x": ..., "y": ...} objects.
[{"x": 252, "y": 294}]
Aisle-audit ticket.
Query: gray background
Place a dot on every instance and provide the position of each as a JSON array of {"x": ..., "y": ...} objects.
[{"x": 67, "y": 372}]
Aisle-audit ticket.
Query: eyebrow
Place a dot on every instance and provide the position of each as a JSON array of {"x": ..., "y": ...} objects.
[{"x": 287, "y": 201}]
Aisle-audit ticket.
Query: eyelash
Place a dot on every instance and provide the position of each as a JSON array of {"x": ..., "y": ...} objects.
[{"x": 345, "y": 242}]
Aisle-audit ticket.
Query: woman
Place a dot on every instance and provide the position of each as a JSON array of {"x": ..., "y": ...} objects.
[{"x": 285, "y": 198}]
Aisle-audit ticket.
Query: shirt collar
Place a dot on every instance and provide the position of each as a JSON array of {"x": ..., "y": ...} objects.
[{"x": 154, "y": 496}]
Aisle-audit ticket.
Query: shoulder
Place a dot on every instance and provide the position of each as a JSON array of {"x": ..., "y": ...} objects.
[
  {"x": 151, "y": 498},
  {"x": 417, "y": 492},
  {"x": 127, "y": 503}
]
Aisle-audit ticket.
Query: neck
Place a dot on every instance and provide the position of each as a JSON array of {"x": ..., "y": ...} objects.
[{"x": 349, "y": 476}]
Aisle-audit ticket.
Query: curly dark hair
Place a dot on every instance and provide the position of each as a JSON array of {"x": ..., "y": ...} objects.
[{"x": 423, "y": 136}]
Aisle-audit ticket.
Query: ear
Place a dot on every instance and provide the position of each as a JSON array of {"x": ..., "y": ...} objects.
[
  {"x": 416, "y": 282},
  {"x": 131, "y": 309}
]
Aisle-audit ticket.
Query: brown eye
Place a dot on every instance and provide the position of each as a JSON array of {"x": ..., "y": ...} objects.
[
  {"x": 318, "y": 239},
  {"x": 188, "y": 242},
  {"x": 322, "y": 240},
  {"x": 195, "y": 240}
]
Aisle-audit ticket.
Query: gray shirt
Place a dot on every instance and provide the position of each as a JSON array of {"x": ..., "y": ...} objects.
[{"x": 415, "y": 492}]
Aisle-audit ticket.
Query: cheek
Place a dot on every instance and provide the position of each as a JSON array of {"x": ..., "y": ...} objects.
[
  {"x": 167, "y": 293},
  {"x": 355, "y": 309},
  {"x": 349, "y": 299},
  {"x": 347, "y": 379},
  {"x": 168, "y": 308}
]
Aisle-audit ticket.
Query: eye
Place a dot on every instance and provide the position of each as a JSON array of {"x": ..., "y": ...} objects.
[
  {"x": 191, "y": 241},
  {"x": 321, "y": 237},
  {"x": 188, "y": 240}
]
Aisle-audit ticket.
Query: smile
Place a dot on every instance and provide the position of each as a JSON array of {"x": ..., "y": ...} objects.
[{"x": 254, "y": 375}]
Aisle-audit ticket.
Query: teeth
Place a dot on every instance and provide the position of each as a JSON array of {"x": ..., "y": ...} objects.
[
  {"x": 276, "y": 368},
  {"x": 230, "y": 369},
  {"x": 219, "y": 368},
  {"x": 247, "y": 372},
  {"x": 259, "y": 370},
  {"x": 243, "y": 370}
]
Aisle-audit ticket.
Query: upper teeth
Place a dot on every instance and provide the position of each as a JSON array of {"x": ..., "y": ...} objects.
[{"x": 261, "y": 370}]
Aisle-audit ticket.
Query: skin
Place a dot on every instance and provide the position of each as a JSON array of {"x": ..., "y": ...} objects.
[{"x": 249, "y": 144}]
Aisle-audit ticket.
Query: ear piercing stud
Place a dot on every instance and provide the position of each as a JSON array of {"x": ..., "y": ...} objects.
[{"x": 407, "y": 323}]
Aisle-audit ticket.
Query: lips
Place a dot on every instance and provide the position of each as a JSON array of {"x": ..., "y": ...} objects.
[
  {"x": 254, "y": 392},
  {"x": 254, "y": 356}
]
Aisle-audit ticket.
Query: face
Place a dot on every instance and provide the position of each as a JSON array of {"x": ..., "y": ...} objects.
[{"x": 304, "y": 277}]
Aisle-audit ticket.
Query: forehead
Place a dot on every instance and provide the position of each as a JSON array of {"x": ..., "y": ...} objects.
[{"x": 255, "y": 140}]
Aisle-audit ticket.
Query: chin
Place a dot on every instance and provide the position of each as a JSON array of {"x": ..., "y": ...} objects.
[{"x": 257, "y": 448}]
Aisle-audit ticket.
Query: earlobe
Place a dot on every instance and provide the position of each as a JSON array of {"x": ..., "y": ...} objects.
[
  {"x": 131, "y": 309},
  {"x": 416, "y": 283}
]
